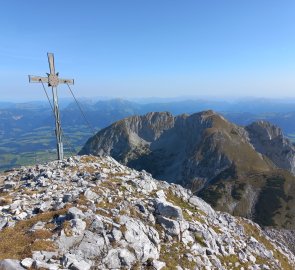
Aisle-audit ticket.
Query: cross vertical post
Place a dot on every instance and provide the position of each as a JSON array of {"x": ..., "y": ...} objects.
[
  {"x": 53, "y": 80},
  {"x": 58, "y": 131}
]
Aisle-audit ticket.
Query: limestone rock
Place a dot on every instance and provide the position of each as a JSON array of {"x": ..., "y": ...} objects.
[
  {"x": 171, "y": 226},
  {"x": 127, "y": 220},
  {"x": 90, "y": 195},
  {"x": 168, "y": 210},
  {"x": 141, "y": 238},
  {"x": 78, "y": 226},
  {"x": 81, "y": 265},
  {"x": 9, "y": 264},
  {"x": 75, "y": 213},
  {"x": 158, "y": 265},
  {"x": 27, "y": 262},
  {"x": 3, "y": 222}
]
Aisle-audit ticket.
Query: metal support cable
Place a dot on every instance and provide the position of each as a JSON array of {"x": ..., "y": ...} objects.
[
  {"x": 71, "y": 148},
  {"x": 67, "y": 141},
  {"x": 47, "y": 96},
  {"x": 83, "y": 114}
]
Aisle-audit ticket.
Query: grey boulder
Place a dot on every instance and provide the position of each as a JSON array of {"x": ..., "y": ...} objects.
[
  {"x": 9, "y": 264},
  {"x": 168, "y": 210}
]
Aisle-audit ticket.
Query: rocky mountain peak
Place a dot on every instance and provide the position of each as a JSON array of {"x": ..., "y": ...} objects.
[
  {"x": 91, "y": 212},
  {"x": 234, "y": 168},
  {"x": 145, "y": 142},
  {"x": 149, "y": 126},
  {"x": 269, "y": 140},
  {"x": 265, "y": 129}
]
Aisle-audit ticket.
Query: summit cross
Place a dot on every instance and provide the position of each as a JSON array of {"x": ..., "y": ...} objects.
[{"x": 53, "y": 81}]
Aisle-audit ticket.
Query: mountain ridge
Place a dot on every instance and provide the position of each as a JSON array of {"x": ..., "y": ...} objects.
[
  {"x": 27, "y": 128},
  {"x": 210, "y": 155}
]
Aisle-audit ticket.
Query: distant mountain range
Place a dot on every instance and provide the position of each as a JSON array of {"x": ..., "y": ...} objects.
[
  {"x": 246, "y": 171},
  {"x": 27, "y": 129}
]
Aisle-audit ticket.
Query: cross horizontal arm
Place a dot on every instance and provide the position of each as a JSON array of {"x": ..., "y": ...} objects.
[
  {"x": 67, "y": 81},
  {"x": 37, "y": 79}
]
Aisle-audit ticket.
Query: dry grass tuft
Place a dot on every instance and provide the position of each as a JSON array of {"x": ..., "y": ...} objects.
[
  {"x": 82, "y": 200},
  {"x": 5, "y": 200},
  {"x": 90, "y": 169},
  {"x": 231, "y": 260},
  {"x": 67, "y": 228},
  {"x": 123, "y": 228},
  {"x": 174, "y": 255},
  {"x": 18, "y": 243},
  {"x": 29, "y": 191},
  {"x": 87, "y": 159},
  {"x": 42, "y": 234},
  {"x": 135, "y": 213},
  {"x": 46, "y": 245}
]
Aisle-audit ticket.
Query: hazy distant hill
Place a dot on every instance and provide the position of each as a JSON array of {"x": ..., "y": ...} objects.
[
  {"x": 244, "y": 171},
  {"x": 27, "y": 129}
]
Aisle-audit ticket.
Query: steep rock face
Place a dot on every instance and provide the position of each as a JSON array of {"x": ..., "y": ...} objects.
[
  {"x": 94, "y": 213},
  {"x": 268, "y": 140},
  {"x": 220, "y": 161},
  {"x": 183, "y": 149},
  {"x": 129, "y": 135}
]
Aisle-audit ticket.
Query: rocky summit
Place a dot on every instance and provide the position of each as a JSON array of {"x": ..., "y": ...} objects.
[
  {"x": 91, "y": 212},
  {"x": 236, "y": 169}
]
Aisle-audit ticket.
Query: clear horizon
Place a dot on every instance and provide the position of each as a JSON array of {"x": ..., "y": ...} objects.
[{"x": 133, "y": 49}]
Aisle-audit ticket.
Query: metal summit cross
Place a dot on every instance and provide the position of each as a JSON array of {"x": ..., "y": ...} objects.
[{"x": 53, "y": 81}]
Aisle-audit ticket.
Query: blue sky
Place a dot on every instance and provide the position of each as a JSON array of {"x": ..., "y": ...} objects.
[{"x": 161, "y": 48}]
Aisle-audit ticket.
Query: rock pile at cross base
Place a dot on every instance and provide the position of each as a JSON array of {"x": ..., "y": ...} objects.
[{"x": 94, "y": 213}]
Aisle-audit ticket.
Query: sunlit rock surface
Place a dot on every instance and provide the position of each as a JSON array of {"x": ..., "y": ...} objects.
[{"x": 94, "y": 213}]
